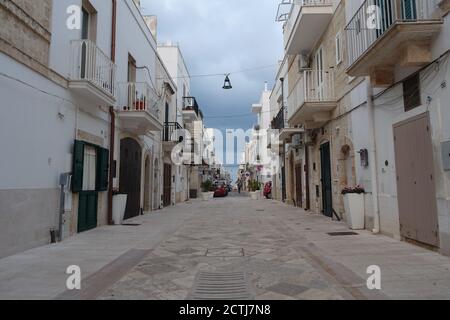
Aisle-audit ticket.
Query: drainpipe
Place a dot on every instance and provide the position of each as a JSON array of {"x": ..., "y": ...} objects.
[
  {"x": 113, "y": 119},
  {"x": 373, "y": 157}
]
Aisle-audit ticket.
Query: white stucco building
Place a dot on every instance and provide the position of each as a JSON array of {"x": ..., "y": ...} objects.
[{"x": 87, "y": 100}]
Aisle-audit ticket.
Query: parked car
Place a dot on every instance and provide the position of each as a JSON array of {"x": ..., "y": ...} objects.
[{"x": 221, "y": 190}]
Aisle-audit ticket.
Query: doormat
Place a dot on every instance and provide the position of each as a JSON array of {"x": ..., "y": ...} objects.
[
  {"x": 339, "y": 234},
  {"x": 131, "y": 224}
]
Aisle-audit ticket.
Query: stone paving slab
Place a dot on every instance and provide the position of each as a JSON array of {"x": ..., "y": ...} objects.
[{"x": 284, "y": 252}]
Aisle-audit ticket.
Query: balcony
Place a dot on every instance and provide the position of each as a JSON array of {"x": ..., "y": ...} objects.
[
  {"x": 307, "y": 22},
  {"x": 92, "y": 73},
  {"x": 401, "y": 35},
  {"x": 138, "y": 108},
  {"x": 256, "y": 108},
  {"x": 312, "y": 99},
  {"x": 281, "y": 130},
  {"x": 191, "y": 111},
  {"x": 172, "y": 135}
]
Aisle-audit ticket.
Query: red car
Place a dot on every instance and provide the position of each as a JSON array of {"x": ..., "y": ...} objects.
[{"x": 221, "y": 191}]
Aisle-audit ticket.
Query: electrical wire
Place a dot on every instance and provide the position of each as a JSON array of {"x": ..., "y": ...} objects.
[{"x": 210, "y": 75}]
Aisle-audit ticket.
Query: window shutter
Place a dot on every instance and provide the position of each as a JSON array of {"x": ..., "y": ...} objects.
[
  {"x": 102, "y": 169},
  {"x": 78, "y": 166},
  {"x": 411, "y": 92}
]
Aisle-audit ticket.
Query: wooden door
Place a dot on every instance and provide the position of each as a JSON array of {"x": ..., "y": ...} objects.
[
  {"x": 298, "y": 186},
  {"x": 307, "y": 188},
  {"x": 416, "y": 187},
  {"x": 327, "y": 195},
  {"x": 130, "y": 176},
  {"x": 87, "y": 210},
  {"x": 167, "y": 192}
]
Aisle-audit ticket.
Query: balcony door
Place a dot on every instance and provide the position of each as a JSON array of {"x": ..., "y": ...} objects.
[{"x": 319, "y": 76}]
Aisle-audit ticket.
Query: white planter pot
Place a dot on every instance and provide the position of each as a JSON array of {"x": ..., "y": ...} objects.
[
  {"x": 119, "y": 206},
  {"x": 255, "y": 195},
  {"x": 206, "y": 196},
  {"x": 354, "y": 210}
]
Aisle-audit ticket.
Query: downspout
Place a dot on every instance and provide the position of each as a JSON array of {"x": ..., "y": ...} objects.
[
  {"x": 113, "y": 119},
  {"x": 373, "y": 156}
]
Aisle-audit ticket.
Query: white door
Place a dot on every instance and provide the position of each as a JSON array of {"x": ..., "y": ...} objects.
[{"x": 319, "y": 75}]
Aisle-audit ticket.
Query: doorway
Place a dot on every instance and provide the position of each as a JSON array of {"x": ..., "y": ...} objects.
[
  {"x": 167, "y": 192},
  {"x": 130, "y": 176},
  {"x": 148, "y": 181},
  {"x": 416, "y": 187},
  {"x": 298, "y": 186},
  {"x": 327, "y": 194}
]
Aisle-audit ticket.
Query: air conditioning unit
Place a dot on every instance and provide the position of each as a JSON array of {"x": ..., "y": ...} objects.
[
  {"x": 298, "y": 141},
  {"x": 303, "y": 63},
  {"x": 310, "y": 138}
]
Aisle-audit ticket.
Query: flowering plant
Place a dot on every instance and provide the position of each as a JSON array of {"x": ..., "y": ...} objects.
[{"x": 355, "y": 190}]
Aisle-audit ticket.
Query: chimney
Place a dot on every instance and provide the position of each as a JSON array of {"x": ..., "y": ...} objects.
[
  {"x": 266, "y": 87},
  {"x": 152, "y": 24}
]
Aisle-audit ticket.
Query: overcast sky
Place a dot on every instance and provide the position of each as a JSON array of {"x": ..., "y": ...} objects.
[{"x": 223, "y": 36}]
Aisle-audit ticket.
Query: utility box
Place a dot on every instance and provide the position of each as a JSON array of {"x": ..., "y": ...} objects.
[{"x": 445, "y": 146}]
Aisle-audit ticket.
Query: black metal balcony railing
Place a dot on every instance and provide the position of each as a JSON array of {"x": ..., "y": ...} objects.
[
  {"x": 366, "y": 27},
  {"x": 172, "y": 132},
  {"x": 278, "y": 122},
  {"x": 190, "y": 104}
]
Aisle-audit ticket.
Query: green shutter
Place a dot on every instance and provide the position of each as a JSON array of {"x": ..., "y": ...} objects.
[
  {"x": 102, "y": 169},
  {"x": 78, "y": 164}
]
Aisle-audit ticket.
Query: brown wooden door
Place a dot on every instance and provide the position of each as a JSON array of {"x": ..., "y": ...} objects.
[
  {"x": 298, "y": 186},
  {"x": 416, "y": 181},
  {"x": 307, "y": 188},
  {"x": 130, "y": 176},
  {"x": 167, "y": 192}
]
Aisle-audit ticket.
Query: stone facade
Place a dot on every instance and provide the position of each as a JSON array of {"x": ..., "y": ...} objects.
[{"x": 25, "y": 34}]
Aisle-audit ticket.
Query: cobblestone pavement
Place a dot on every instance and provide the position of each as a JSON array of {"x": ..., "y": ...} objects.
[
  {"x": 230, "y": 248},
  {"x": 266, "y": 241},
  {"x": 228, "y": 235}
]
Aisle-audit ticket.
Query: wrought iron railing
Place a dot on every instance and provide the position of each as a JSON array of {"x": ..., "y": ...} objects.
[
  {"x": 89, "y": 63},
  {"x": 296, "y": 9},
  {"x": 190, "y": 103},
  {"x": 279, "y": 122},
  {"x": 172, "y": 132},
  {"x": 138, "y": 96},
  {"x": 375, "y": 17}
]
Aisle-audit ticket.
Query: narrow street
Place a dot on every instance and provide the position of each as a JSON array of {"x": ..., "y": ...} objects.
[{"x": 230, "y": 248}]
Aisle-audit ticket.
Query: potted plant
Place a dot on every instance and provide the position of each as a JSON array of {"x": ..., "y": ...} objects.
[
  {"x": 207, "y": 190},
  {"x": 255, "y": 190},
  {"x": 354, "y": 207}
]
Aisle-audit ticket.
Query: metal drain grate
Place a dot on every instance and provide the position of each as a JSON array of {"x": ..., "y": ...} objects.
[
  {"x": 339, "y": 234},
  {"x": 221, "y": 286},
  {"x": 131, "y": 224}
]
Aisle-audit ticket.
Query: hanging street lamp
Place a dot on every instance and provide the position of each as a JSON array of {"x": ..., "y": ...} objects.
[{"x": 227, "y": 84}]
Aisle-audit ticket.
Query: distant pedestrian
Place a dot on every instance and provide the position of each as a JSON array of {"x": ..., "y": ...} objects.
[{"x": 239, "y": 186}]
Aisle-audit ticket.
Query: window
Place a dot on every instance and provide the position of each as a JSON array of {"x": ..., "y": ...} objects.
[
  {"x": 89, "y": 168},
  {"x": 338, "y": 49},
  {"x": 411, "y": 92},
  {"x": 131, "y": 69},
  {"x": 89, "y": 24}
]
